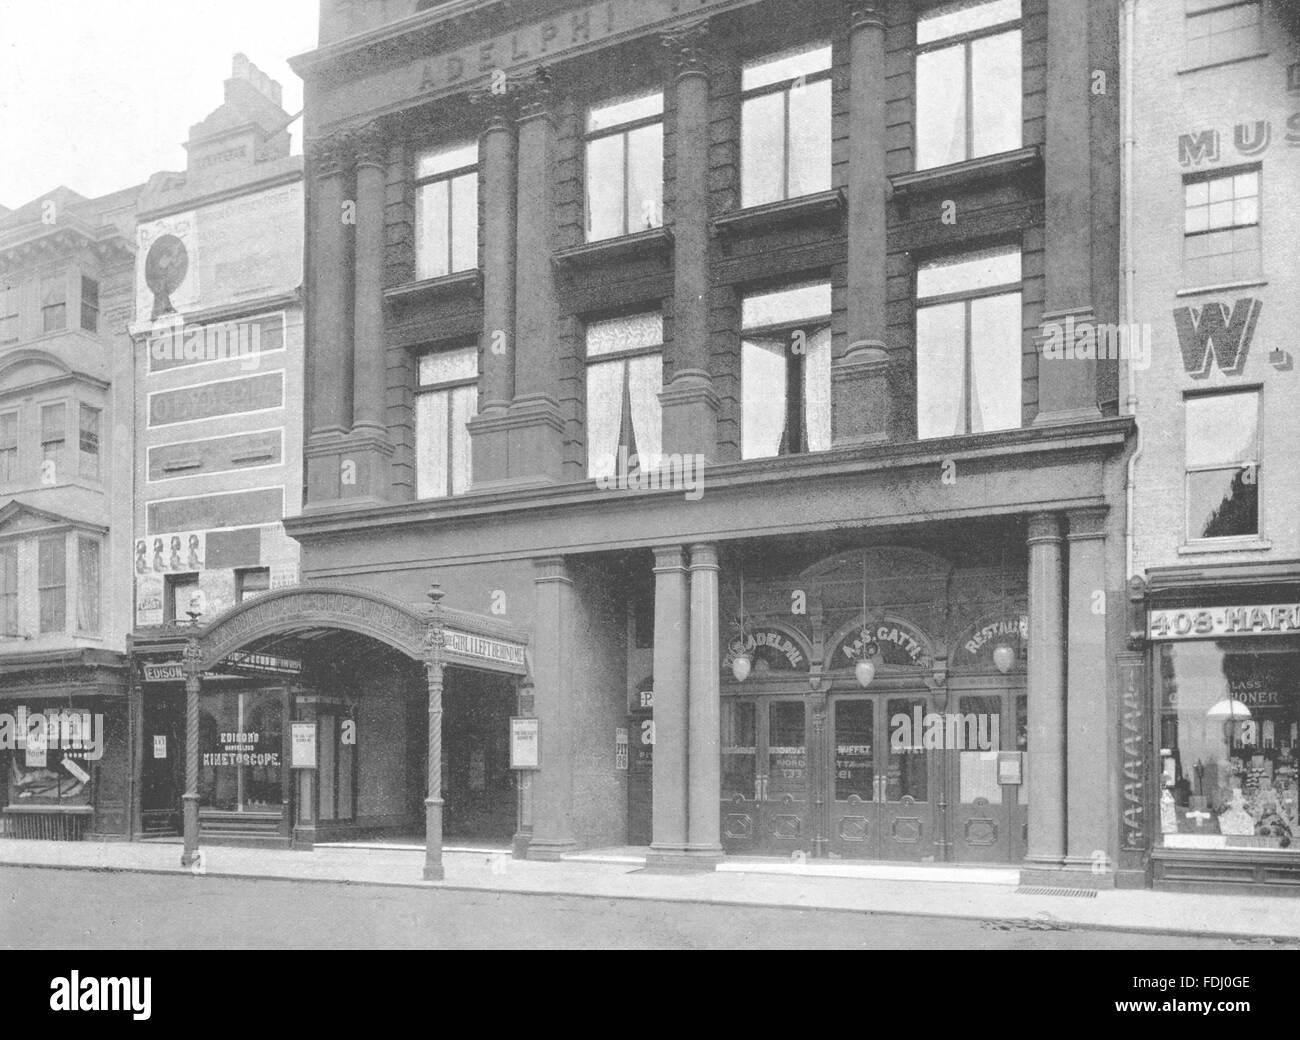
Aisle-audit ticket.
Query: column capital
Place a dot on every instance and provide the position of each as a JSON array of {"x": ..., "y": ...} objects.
[
  {"x": 669, "y": 559},
  {"x": 1088, "y": 522},
  {"x": 1044, "y": 527},
  {"x": 704, "y": 556},
  {"x": 330, "y": 154},
  {"x": 689, "y": 46},
  {"x": 192, "y": 659},
  {"x": 866, "y": 14},
  {"x": 533, "y": 94},
  {"x": 500, "y": 108},
  {"x": 551, "y": 569},
  {"x": 368, "y": 144}
]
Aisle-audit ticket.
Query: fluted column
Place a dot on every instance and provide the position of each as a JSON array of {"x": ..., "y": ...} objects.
[
  {"x": 1067, "y": 388},
  {"x": 862, "y": 397},
  {"x": 671, "y": 708},
  {"x": 690, "y": 405},
  {"x": 1046, "y": 680},
  {"x": 190, "y": 799},
  {"x": 368, "y": 368},
  {"x": 705, "y": 722}
]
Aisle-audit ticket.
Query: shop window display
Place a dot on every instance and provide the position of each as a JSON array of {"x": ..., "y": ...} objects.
[{"x": 1229, "y": 733}]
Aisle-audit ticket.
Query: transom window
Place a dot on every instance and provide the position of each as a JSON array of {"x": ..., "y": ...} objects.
[
  {"x": 969, "y": 330},
  {"x": 785, "y": 134},
  {"x": 625, "y": 166},
  {"x": 1221, "y": 228},
  {"x": 624, "y": 377},
  {"x": 446, "y": 400},
  {"x": 785, "y": 371},
  {"x": 1220, "y": 30},
  {"x": 968, "y": 81},
  {"x": 1222, "y": 454},
  {"x": 446, "y": 211}
]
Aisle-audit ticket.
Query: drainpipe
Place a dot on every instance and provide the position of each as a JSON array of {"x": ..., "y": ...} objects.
[{"x": 1129, "y": 406}]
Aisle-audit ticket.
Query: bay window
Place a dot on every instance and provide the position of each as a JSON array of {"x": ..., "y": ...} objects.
[
  {"x": 624, "y": 377},
  {"x": 52, "y": 583},
  {"x": 446, "y": 400},
  {"x": 8, "y": 590},
  {"x": 88, "y": 587}
]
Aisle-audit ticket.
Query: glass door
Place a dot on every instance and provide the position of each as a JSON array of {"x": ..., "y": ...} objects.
[
  {"x": 981, "y": 817},
  {"x": 908, "y": 777},
  {"x": 765, "y": 778},
  {"x": 855, "y": 815},
  {"x": 740, "y": 785}
]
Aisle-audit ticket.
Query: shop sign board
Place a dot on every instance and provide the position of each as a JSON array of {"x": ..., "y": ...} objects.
[
  {"x": 525, "y": 743},
  {"x": 1220, "y": 622},
  {"x": 477, "y": 648},
  {"x": 167, "y": 671},
  {"x": 304, "y": 745}
]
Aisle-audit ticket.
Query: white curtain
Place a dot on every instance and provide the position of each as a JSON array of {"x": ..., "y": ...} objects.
[
  {"x": 604, "y": 415},
  {"x": 645, "y": 379},
  {"x": 817, "y": 391},
  {"x": 762, "y": 397},
  {"x": 431, "y": 444}
]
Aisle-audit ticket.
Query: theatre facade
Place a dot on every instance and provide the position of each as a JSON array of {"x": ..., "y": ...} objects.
[{"x": 869, "y": 605}]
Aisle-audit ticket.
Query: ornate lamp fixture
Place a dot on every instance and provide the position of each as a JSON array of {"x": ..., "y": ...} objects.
[
  {"x": 742, "y": 661},
  {"x": 864, "y": 670}
]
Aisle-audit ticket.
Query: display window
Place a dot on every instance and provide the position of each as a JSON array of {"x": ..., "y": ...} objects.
[
  {"x": 1228, "y": 738},
  {"x": 241, "y": 751}
]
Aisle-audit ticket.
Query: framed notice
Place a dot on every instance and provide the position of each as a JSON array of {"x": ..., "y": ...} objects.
[
  {"x": 1010, "y": 767},
  {"x": 524, "y": 743},
  {"x": 304, "y": 745}
]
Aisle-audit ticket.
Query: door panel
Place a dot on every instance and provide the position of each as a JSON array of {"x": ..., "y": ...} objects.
[
  {"x": 855, "y": 815},
  {"x": 981, "y": 820},
  {"x": 907, "y": 816},
  {"x": 740, "y": 779},
  {"x": 784, "y": 813}
]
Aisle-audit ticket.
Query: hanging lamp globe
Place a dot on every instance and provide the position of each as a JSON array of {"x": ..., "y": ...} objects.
[
  {"x": 864, "y": 671},
  {"x": 1004, "y": 657}
]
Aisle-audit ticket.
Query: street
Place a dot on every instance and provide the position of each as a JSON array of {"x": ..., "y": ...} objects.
[{"x": 93, "y": 909}]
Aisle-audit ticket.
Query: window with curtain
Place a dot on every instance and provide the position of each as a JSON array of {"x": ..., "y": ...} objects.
[
  {"x": 446, "y": 400},
  {"x": 446, "y": 211},
  {"x": 624, "y": 170},
  {"x": 88, "y": 442},
  {"x": 1221, "y": 229},
  {"x": 8, "y": 447},
  {"x": 785, "y": 126},
  {"x": 785, "y": 371},
  {"x": 54, "y": 303},
  {"x": 8, "y": 590},
  {"x": 969, "y": 330},
  {"x": 968, "y": 81},
  {"x": 88, "y": 585},
  {"x": 52, "y": 583},
  {"x": 1222, "y": 459},
  {"x": 54, "y": 434},
  {"x": 624, "y": 376}
]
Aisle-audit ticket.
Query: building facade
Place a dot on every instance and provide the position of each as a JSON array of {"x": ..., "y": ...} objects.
[
  {"x": 1212, "y": 686},
  {"x": 217, "y": 338},
  {"x": 65, "y": 523}
]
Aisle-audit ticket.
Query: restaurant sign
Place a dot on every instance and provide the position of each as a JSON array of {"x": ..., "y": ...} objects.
[{"x": 1220, "y": 622}]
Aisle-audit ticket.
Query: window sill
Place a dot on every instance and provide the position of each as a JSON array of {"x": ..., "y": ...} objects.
[
  {"x": 1225, "y": 545},
  {"x": 1183, "y": 70},
  {"x": 824, "y": 205},
  {"x": 466, "y": 283},
  {"x": 988, "y": 167},
  {"x": 1201, "y": 290},
  {"x": 656, "y": 241}
]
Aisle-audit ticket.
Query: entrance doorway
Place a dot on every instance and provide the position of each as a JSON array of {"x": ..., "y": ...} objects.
[{"x": 873, "y": 776}]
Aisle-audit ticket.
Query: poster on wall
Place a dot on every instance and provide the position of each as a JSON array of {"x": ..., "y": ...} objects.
[
  {"x": 148, "y": 600},
  {"x": 524, "y": 743},
  {"x": 304, "y": 745},
  {"x": 179, "y": 553}
]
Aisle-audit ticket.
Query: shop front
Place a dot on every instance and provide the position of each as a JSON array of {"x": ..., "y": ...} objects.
[{"x": 1225, "y": 668}]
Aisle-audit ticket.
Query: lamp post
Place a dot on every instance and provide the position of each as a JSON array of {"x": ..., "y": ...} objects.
[
  {"x": 192, "y": 662},
  {"x": 433, "y": 643}
]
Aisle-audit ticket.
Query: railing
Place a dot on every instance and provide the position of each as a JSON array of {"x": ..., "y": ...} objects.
[{"x": 55, "y": 825}]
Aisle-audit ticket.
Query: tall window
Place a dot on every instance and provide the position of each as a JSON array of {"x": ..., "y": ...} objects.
[
  {"x": 785, "y": 371},
  {"x": 52, "y": 583},
  {"x": 8, "y": 590},
  {"x": 1222, "y": 453},
  {"x": 1220, "y": 30},
  {"x": 968, "y": 343},
  {"x": 446, "y": 211},
  {"x": 968, "y": 81},
  {"x": 251, "y": 582},
  {"x": 54, "y": 303},
  {"x": 8, "y": 447},
  {"x": 624, "y": 377},
  {"x": 54, "y": 434},
  {"x": 88, "y": 585},
  {"x": 182, "y": 597},
  {"x": 88, "y": 442},
  {"x": 625, "y": 166},
  {"x": 9, "y": 332},
  {"x": 785, "y": 126},
  {"x": 89, "y": 304},
  {"x": 1221, "y": 239},
  {"x": 447, "y": 399}
]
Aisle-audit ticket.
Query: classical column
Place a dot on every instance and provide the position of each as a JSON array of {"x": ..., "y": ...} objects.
[
  {"x": 331, "y": 349},
  {"x": 690, "y": 405},
  {"x": 536, "y": 434},
  {"x": 368, "y": 281},
  {"x": 1089, "y": 750},
  {"x": 862, "y": 400},
  {"x": 433, "y": 802},
  {"x": 705, "y": 767},
  {"x": 1046, "y": 679},
  {"x": 190, "y": 799},
  {"x": 500, "y": 191},
  {"x": 1067, "y": 388},
  {"x": 671, "y": 655},
  {"x": 552, "y": 702}
]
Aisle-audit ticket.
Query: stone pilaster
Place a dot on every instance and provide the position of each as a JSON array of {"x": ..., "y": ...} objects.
[
  {"x": 671, "y": 709},
  {"x": 705, "y": 723},
  {"x": 1046, "y": 681},
  {"x": 552, "y": 702}
]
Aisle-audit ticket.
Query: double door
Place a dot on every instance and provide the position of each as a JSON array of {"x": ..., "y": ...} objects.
[{"x": 872, "y": 776}]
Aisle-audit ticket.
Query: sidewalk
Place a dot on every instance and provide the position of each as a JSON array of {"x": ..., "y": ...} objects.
[{"x": 616, "y": 874}]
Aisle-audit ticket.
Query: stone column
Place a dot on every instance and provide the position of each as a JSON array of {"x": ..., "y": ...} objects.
[
  {"x": 1046, "y": 679},
  {"x": 1089, "y": 749},
  {"x": 861, "y": 395},
  {"x": 331, "y": 331},
  {"x": 535, "y": 438},
  {"x": 499, "y": 159},
  {"x": 433, "y": 675},
  {"x": 552, "y": 701},
  {"x": 705, "y": 766},
  {"x": 1067, "y": 388},
  {"x": 690, "y": 405},
  {"x": 671, "y": 712},
  {"x": 190, "y": 799}
]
